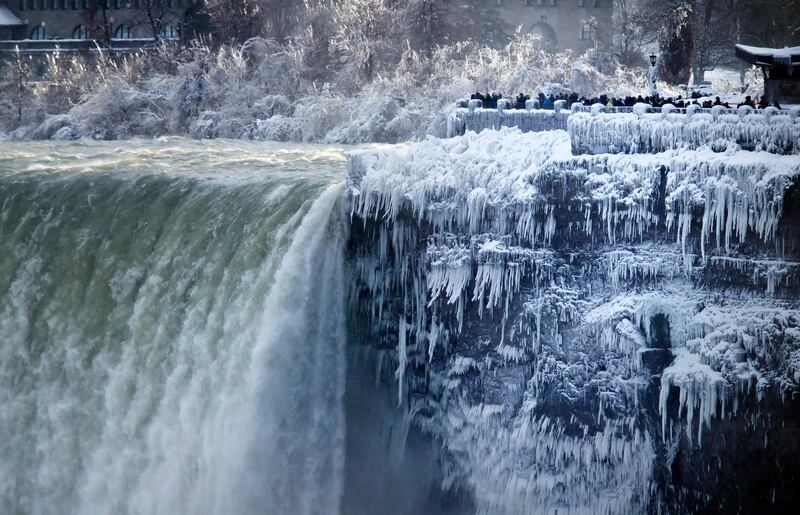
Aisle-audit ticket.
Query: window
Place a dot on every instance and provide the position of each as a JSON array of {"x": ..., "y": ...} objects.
[
  {"x": 21, "y": 5},
  {"x": 168, "y": 31},
  {"x": 123, "y": 32},
  {"x": 80, "y": 32},
  {"x": 39, "y": 32},
  {"x": 58, "y": 5}
]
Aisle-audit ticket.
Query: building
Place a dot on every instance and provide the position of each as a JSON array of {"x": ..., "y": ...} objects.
[
  {"x": 44, "y": 24},
  {"x": 11, "y": 27},
  {"x": 563, "y": 24},
  {"x": 781, "y": 69}
]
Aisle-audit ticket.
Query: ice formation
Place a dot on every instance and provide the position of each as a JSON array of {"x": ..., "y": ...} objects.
[
  {"x": 571, "y": 322},
  {"x": 641, "y": 132},
  {"x": 476, "y": 120}
]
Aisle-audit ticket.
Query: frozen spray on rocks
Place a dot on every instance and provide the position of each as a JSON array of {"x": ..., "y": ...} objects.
[{"x": 609, "y": 333}]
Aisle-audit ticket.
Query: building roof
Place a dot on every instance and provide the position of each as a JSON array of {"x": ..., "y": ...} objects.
[
  {"x": 9, "y": 19},
  {"x": 785, "y": 57}
]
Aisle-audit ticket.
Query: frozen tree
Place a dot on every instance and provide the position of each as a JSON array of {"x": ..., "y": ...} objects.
[
  {"x": 22, "y": 73},
  {"x": 474, "y": 20},
  {"x": 676, "y": 42},
  {"x": 629, "y": 33},
  {"x": 312, "y": 44},
  {"x": 369, "y": 33},
  {"x": 98, "y": 20},
  {"x": 715, "y": 34},
  {"x": 427, "y": 24},
  {"x": 281, "y": 18}
]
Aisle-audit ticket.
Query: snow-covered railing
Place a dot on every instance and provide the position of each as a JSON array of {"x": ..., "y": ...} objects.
[
  {"x": 671, "y": 109},
  {"x": 29, "y": 46},
  {"x": 472, "y": 116},
  {"x": 641, "y": 128},
  {"x": 645, "y": 129}
]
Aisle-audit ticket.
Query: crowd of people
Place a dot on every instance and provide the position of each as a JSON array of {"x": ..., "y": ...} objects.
[{"x": 543, "y": 101}]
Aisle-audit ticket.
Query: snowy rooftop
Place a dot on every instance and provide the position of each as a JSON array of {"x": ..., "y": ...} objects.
[
  {"x": 8, "y": 19},
  {"x": 760, "y": 55}
]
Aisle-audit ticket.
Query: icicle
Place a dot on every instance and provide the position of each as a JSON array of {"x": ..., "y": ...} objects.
[{"x": 402, "y": 360}]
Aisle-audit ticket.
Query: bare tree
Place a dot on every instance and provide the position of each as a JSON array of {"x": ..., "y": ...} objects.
[
  {"x": 97, "y": 20},
  {"x": 22, "y": 76},
  {"x": 676, "y": 43},
  {"x": 367, "y": 35},
  {"x": 715, "y": 34},
  {"x": 631, "y": 32},
  {"x": 234, "y": 21},
  {"x": 773, "y": 23},
  {"x": 427, "y": 25},
  {"x": 281, "y": 18}
]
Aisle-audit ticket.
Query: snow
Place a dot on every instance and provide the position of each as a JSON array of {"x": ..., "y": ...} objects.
[
  {"x": 769, "y": 52},
  {"x": 8, "y": 19}
]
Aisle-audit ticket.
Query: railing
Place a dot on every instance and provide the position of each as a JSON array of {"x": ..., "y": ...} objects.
[
  {"x": 667, "y": 109},
  {"x": 471, "y": 115},
  {"x": 533, "y": 105},
  {"x": 644, "y": 129},
  {"x": 79, "y": 45}
]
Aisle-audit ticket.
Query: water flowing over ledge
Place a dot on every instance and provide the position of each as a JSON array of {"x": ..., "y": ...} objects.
[{"x": 173, "y": 329}]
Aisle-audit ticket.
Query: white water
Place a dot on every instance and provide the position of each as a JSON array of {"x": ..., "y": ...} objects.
[{"x": 171, "y": 328}]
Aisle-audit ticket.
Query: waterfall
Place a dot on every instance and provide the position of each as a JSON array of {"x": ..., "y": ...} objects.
[{"x": 171, "y": 329}]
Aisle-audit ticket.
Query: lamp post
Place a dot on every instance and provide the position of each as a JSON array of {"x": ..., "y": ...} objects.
[{"x": 653, "y": 75}]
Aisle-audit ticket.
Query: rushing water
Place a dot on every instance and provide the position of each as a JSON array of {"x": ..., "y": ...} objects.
[{"x": 171, "y": 328}]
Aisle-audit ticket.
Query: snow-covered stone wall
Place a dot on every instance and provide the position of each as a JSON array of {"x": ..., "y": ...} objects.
[{"x": 575, "y": 330}]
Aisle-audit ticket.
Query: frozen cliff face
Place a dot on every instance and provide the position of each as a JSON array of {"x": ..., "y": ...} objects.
[{"x": 588, "y": 334}]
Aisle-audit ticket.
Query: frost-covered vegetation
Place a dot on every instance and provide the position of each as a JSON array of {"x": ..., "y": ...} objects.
[{"x": 263, "y": 90}]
